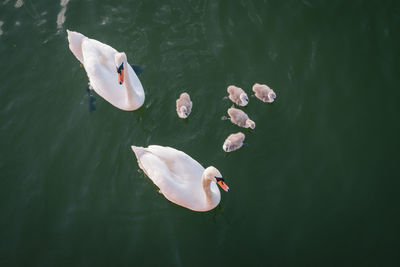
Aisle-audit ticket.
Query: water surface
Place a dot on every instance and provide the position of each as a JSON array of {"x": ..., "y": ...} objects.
[{"x": 315, "y": 185}]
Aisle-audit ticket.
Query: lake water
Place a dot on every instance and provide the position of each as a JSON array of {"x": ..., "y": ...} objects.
[{"x": 315, "y": 186}]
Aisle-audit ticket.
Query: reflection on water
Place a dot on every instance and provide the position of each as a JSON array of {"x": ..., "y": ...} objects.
[
  {"x": 61, "y": 14},
  {"x": 18, "y": 3}
]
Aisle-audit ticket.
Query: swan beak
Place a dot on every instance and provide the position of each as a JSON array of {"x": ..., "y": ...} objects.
[
  {"x": 222, "y": 184},
  {"x": 120, "y": 71},
  {"x": 121, "y": 76}
]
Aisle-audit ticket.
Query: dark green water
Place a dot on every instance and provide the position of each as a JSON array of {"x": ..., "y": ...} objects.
[{"x": 316, "y": 186}]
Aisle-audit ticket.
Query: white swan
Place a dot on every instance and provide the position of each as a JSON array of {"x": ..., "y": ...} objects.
[
  {"x": 181, "y": 179},
  {"x": 109, "y": 73}
]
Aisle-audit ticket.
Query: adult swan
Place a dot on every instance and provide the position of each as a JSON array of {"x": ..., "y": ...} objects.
[
  {"x": 181, "y": 179},
  {"x": 109, "y": 73}
]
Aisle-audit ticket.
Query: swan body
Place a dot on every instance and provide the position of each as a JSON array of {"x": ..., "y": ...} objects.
[
  {"x": 237, "y": 95},
  {"x": 180, "y": 178},
  {"x": 264, "y": 93},
  {"x": 183, "y": 106},
  {"x": 108, "y": 71},
  {"x": 233, "y": 142}
]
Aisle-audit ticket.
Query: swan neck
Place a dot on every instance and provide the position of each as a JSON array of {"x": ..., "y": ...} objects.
[
  {"x": 128, "y": 88},
  {"x": 134, "y": 95},
  {"x": 207, "y": 190}
]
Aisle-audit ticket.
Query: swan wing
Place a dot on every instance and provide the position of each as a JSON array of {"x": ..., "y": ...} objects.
[
  {"x": 176, "y": 174},
  {"x": 136, "y": 85},
  {"x": 178, "y": 162},
  {"x": 99, "y": 62}
]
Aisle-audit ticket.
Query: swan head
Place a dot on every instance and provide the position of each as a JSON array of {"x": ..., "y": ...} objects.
[
  {"x": 250, "y": 124},
  {"x": 183, "y": 113},
  {"x": 120, "y": 58},
  {"x": 212, "y": 174},
  {"x": 244, "y": 100},
  {"x": 227, "y": 146},
  {"x": 271, "y": 96}
]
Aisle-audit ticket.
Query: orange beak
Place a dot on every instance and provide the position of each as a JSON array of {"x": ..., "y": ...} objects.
[
  {"x": 121, "y": 76},
  {"x": 223, "y": 185}
]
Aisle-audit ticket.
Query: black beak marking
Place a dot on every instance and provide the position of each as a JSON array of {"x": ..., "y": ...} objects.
[
  {"x": 219, "y": 179},
  {"x": 121, "y": 67}
]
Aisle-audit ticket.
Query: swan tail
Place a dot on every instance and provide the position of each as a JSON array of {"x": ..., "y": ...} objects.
[
  {"x": 137, "y": 69},
  {"x": 139, "y": 151},
  {"x": 75, "y": 40}
]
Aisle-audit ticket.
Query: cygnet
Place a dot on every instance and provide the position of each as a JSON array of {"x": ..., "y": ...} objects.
[
  {"x": 264, "y": 93},
  {"x": 237, "y": 95},
  {"x": 240, "y": 118},
  {"x": 183, "y": 105},
  {"x": 233, "y": 142}
]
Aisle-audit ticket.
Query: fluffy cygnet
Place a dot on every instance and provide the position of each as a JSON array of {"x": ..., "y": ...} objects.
[
  {"x": 233, "y": 142},
  {"x": 240, "y": 118},
  {"x": 183, "y": 106},
  {"x": 264, "y": 93},
  {"x": 237, "y": 95}
]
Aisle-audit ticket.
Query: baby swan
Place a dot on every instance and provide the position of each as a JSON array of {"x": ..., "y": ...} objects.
[
  {"x": 264, "y": 93},
  {"x": 233, "y": 142},
  {"x": 183, "y": 106},
  {"x": 237, "y": 95},
  {"x": 240, "y": 118}
]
